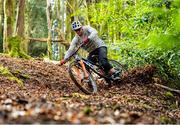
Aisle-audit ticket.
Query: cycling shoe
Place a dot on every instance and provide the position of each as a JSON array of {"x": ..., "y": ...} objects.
[{"x": 116, "y": 75}]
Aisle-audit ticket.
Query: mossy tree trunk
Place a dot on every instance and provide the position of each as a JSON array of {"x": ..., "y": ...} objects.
[
  {"x": 1, "y": 17},
  {"x": 72, "y": 7},
  {"x": 8, "y": 22},
  {"x": 13, "y": 41},
  {"x": 20, "y": 24},
  {"x": 1, "y": 26},
  {"x": 14, "y": 45}
]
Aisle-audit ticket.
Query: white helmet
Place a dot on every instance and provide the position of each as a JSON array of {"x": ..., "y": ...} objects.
[{"x": 76, "y": 25}]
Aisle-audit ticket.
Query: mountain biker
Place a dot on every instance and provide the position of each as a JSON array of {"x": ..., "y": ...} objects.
[{"x": 93, "y": 45}]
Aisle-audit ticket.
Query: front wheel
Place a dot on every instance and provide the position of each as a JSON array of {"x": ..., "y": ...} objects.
[{"x": 88, "y": 85}]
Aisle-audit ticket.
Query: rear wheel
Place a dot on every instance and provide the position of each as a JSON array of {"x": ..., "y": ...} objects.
[
  {"x": 117, "y": 66},
  {"x": 86, "y": 85}
]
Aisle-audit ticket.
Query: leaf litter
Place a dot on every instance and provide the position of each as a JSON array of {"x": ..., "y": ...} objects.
[{"x": 49, "y": 96}]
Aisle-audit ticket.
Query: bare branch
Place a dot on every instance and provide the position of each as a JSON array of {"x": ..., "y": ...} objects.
[{"x": 167, "y": 88}]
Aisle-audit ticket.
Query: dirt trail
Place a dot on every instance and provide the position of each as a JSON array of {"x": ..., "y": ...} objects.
[{"x": 49, "y": 96}]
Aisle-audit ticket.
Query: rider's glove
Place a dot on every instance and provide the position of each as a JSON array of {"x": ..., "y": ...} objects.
[
  {"x": 62, "y": 62},
  {"x": 85, "y": 40}
]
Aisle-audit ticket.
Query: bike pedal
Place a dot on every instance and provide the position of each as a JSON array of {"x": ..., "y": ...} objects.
[{"x": 115, "y": 76}]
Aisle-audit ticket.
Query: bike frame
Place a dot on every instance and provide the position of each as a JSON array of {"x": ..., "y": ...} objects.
[{"x": 93, "y": 67}]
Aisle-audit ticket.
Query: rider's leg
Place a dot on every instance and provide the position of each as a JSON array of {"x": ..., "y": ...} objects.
[
  {"x": 77, "y": 71},
  {"x": 103, "y": 61},
  {"x": 91, "y": 57},
  {"x": 86, "y": 75}
]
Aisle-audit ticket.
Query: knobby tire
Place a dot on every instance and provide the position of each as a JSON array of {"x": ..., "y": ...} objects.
[{"x": 92, "y": 87}]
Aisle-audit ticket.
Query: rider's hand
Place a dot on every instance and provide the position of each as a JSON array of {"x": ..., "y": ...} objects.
[
  {"x": 85, "y": 40},
  {"x": 62, "y": 62}
]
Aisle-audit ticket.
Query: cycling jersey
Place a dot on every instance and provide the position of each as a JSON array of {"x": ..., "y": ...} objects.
[{"x": 93, "y": 43}]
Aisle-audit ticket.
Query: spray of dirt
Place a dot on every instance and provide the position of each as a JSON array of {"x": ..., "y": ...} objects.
[{"x": 139, "y": 75}]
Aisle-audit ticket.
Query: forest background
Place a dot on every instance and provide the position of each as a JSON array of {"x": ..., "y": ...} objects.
[{"x": 137, "y": 32}]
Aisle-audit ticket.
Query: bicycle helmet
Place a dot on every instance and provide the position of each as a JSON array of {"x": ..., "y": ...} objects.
[{"x": 76, "y": 25}]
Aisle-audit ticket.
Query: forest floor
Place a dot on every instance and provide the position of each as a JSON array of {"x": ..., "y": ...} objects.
[{"x": 49, "y": 96}]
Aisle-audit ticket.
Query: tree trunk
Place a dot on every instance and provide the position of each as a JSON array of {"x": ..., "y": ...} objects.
[
  {"x": 69, "y": 20},
  {"x": 13, "y": 43},
  {"x": 1, "y": 17},
  {"x": 19, "y": 29},
  {"x": 49, "y": 29},
  {"x": 1, "y": 26},
  {"x": 20, "y": 24},
  {"x": 8, "y": 22},
  {"x": 135, "y": 2},
  {"x": 62, "y": 16},
  {"x": 87, "y": 13}
]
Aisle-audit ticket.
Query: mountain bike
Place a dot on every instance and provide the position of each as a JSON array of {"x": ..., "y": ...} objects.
[{"x": 80, "y": 67}]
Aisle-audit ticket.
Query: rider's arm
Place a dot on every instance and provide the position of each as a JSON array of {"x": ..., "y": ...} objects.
[
  {"x": 93, "y": 33},
  {"x": 71, "y": 48}
]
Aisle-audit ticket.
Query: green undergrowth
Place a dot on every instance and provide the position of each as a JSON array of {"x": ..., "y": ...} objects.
[
  {"x": 15, "y": 47},
  {"x": 5, "y": 72}
]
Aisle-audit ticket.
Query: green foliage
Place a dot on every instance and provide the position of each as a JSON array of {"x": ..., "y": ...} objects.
[
  {"x": 169, "y": 95},
  {"x": 137, "y": 32},
  {"x": 5, "y": 72},
  {"x": 131, "y": 55},
  {"x": 36, "y": 11},
  {"x": 87, "y": 110},
  {"x": 145, "y": 32},
  {"x": 14, "y": 44},
  {"x": 18, "y": 73},
  {"x": 166, "y": 120}
]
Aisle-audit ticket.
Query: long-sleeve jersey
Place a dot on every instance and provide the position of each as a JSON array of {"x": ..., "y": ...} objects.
[{"x": 93, "y": 43}]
